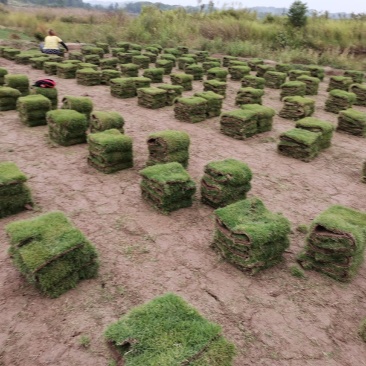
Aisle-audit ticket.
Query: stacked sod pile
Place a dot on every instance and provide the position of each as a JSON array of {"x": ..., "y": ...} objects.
[
  {"x": 155, "y": 74},
  {"x": 295, "y": 73},
  {"x": 316, "y": 71},
  {"x": 82, "y": 105},
  {"x": 250, "y": 236},
  {"x": 152, "y": 56},
  {"x": 3, "y": 72},
  {"x": 296, "y": 107},
  {"x": 254, "y": 62},
  {"x": 19, "y": 82},
  {"x": 123, "y": 88},
  {"x": 316, "y": 125},
  {"x": 253, "y": 82},
  {"x": 214, "y": 102},
  {"x": 238, "y": 63},
  {"x": 87, "y": 65},
  {"x": 217, "y": 73},
  {"x": 292, "y": 88},
  {"x": 312, "y": 84},
  {"x": 264, "y": 116},
  {"x": 38, "y": 62},
  {"x": 360, "y": 91},
  {"x": 75, "y": 55},
  {"x": 207, "y": 65},
  {"x": 167, "y": 65},
  {"x": 201, "y": 55},
  {"x": 173, "y": 51},
  {"x": 168, "y": 146},
  {"x": 169, "y": 331},
  {"x": 183, "y": 80},
  {"x": 108, "y": 74},
  {"x": 167, "y": 187},
  {"x": 195, "y": 70},
  {"x": 237, "y": 72},
  {"x": 51, "y": 253},
  {"x": 123, "y": 57},
  {"x": 274, "y": 79},
  {"x": 239, "y": 124},
  {"x": 363, "y": 173},
  {"x": 101, "y": 121},
  {"x": 8, "y": 98},
  {"x": 262, "y": 69},
  {"x": 50, "y": 68},
  {"x": 225, "y": 182},
  {"x": 141, "y": 61},
  {"x": 152, "y": 97},
  {"x": 283, "y": 67},
  {"x": 32, "y": 109},
  {"x": 10, "y": 53},
  {"x": 50, "y": 93},
  {"x": 92, "y": 50},
  {"x": 190, "y": 109},
  {"x": 23, "y": 58},
  {"x": 103, "y": 46},
  {"x": 129, "y": 70},
  {"x": 336, "y": 243},
  {"x": 109, "y": 63},
  {"x": 339, "y": 100},
  {"x": 362, "y": 330},
  {"x": 110, "y": 151},
  {"x": 169, "y": 57},
  {"x": 339, "y": 83},
  {"x": 67, "y": 127},
  {"x": 249, "y": 95},
  {"x": 141, "y": 82},
  {"x": 356, "y": 76},
  {"x": 227, "y": 59},
  {"x": 352, "y": 122},
  {"x": 14, "y": 193},
  {"x": 185, "y": 61},
  {"x": 67, "y": 70},
  {"x": 172, "y": 92},
  {"x": 88, "y": 77},
  {"x": 300, "y": 144},
  {"x": 216, "y": 86}
]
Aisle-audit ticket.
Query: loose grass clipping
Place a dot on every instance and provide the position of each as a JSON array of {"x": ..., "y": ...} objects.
[
  {"x": 169, "y": 331},
  {"x": 51, "y": 253}
]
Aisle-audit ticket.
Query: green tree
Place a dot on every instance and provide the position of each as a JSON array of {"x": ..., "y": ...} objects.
[{"x": 297, "y": 14}]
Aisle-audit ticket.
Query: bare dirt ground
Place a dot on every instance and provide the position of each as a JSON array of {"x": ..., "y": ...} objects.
[{"x": 273, "y": 318}]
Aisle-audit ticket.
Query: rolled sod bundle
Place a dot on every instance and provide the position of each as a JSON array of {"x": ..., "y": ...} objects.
[
  {"x": 249, "y": 96},
  {"x": 201, "y": 55},
  {"x": 110, "y": 151},
  {"x": 207, "y": 65},
  {"x": 152, "y": 97},
  {"x": 185, "y": 61},
  {"x": 217, "y": 73},
  {"x": 50, "y": 93},
  {"x": 88, "y": 77},
  {"x": 300, "y": 144},
  {"x": 264, "y": 116},
  {"x": 239, "y": 123},
  {"x": 173, "y": 51},
  {"x": 311, "y": 84},
  {"x": 336, "y": 243},
  {"x": 317, "y": 125},
  {"x": 238, "y": 72},
  {"x": 363, "y": 172},
  {"x": 225, "y": 182},
  {"x": 124, "y": 57},
  {"x": 168, "y": 146},
  {"x": 167, "y": 65},
  {"x": 3, "y": 72},
  {"x": 14, "y": 193},
  {"x": 295, "y": 73},
  {"x": 32, "y": 109},
  {"x": 123, "y": 88},
  {"x": 360, "y": 91},
  {"x": 169, "y": 57},
  {"x": 339, "y": 83},
  {"x": 19, "y": 82},
  {"x": 142, "y": 61},
  {"x": 103, "y": 120},
  {"x": 67, "y": 70},
  {"x": 356, "y": 76},
  {"x": 274, "y": 79},
  {"x": 339, "y": 100},
  {"x": 75, "y": 55},
  {"x": 183, "y": 80},
  {"x": 152, "y": 56},
  {"x": 253, "y": 82},
  {"x": 296, "y": 107},
  {"x": 87, "y": 65},
  {"x": 109, "y": 63},
  {"x": 152, "y": 49},
  {"x": 103, "y": 46},
  {"x": 10, "y": 53},
  {"x": 195, "y": 70},
  {"x": 262, "y": 69},
  {"x": 292, "y": 88},
  {"x": 50, "y": 68},
  {"x": 254, "y": 62},
  {"x": 172, "y": 92},
  {"x": 82, "y": 105},
  {"x": 190, "y": 109},
  {"x": 214, "y": 102},
  {"x": 155, "y": 74},
  {"x": 149, "y": 334},
  {"x": 250, "y": 236},
  {"x": 67, "y": 127},
  {"x": 167, "y": 187},
  {"x": 92, "y": 50},
  {"x": 37, "y": 62},
  {"x": 51, "y": 253},
  {"x": 8, "y": 98},
  {"x": 216, "y": 86},
  {"x": 352, "y": 122},
  {"x": 316, "y": 71},
  {"x": 129, "y": 70},
  {"x": 283, "y": 67},
  {"x": 108, "y": 74}
]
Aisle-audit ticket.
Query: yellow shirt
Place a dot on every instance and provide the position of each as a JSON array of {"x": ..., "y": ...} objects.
[{"x": 51, "y": 42}]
